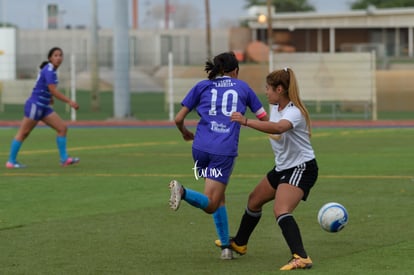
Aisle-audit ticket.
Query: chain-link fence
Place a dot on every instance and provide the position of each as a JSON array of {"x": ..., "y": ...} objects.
[{"x": 148, "y": 60}]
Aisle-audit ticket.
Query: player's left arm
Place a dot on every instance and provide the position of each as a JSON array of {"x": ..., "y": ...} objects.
[
  {"x": 262, "y": 115},
  {"x": 256, "y": 106},
  {"x": 55, "y": 93}
]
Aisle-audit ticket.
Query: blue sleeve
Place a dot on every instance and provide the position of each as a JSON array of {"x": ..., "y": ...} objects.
[
  {"x": 192, "y": 99},
  {"x": 50, "y": 76},
  {"x": 253, "y": 101}
]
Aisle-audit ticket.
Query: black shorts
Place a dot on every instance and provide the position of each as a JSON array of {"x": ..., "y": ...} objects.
[{"x": 303, "y": 176}]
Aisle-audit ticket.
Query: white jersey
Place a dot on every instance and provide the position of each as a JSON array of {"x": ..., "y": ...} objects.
[{"x": 293, "y": 147}]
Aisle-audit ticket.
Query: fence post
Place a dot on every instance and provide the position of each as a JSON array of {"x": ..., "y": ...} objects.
[
  {"x": 73, "y": 85},
  {"x": 170, "y": 86},
  {"x": 374, "y": 86}
]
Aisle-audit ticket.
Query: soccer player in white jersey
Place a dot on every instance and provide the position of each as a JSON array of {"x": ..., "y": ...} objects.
[
  {"x": 295, "y": 172},
  {"x": 38, "y": 107},
  {"x": 215, "y": 145}
]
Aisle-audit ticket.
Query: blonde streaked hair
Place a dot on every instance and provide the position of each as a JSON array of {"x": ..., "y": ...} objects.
[{"x": 287, "y": 79}]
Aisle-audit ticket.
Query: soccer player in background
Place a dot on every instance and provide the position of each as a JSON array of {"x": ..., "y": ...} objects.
[
  {"x": 294, "y": 174},
  {"x": 215, "y": 145},
  {"x": 38, "y": 108}
]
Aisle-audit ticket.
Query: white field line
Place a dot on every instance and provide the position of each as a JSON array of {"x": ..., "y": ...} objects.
[{"x": 257, "y": 176}]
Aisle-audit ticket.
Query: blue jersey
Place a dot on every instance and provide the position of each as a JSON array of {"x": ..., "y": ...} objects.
[
  {"x": 215, "y": 100},
  {"x": 41, "y": 94}
]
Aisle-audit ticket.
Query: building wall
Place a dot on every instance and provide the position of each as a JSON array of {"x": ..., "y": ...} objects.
[
  {"x": 351, "y": 36},
  {"x": 148, "y": 49},
  {"x": 395, "y": 90}
]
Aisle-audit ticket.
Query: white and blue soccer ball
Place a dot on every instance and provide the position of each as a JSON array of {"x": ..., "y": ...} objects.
[{"x": 333, "y": 217}]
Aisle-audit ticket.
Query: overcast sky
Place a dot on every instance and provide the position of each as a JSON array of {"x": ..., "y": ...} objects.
[{"x": 30, "y": 14}]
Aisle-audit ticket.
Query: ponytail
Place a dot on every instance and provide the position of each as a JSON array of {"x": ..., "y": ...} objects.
[
  {"x": 221, "y": 64},
  {"x": 287, "y": 79},
  {"x": 44, "y": 63},
  {"x": 293, "y": 93}
]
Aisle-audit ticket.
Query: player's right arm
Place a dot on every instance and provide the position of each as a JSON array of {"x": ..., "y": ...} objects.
[
  {"x": 179, "y": 122},
  {"x": 264, "y": 126}
]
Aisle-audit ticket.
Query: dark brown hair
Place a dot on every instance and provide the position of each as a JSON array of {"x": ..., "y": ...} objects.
[
  {"x": 287, "y": 79},
  {"x": 221, "y": 64},
  {"x": 49, "y": 55}
]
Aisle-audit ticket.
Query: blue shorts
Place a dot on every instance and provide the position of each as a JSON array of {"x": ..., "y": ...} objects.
[
  {"x": 215, "y": 167},
  {"x": 36, "y": 112}
]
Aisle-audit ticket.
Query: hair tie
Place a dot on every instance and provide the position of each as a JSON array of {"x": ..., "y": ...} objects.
[{"x": 285, "y": 69}]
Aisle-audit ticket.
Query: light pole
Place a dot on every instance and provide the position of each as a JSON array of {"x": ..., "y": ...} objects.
[
  {"x": 208, "y": 28},
  {"x": 93, "y": 57},
  {"x": 122, "y": 91},
  {"x": 269, "y": 25},
  {"x": 167, "y": 14},
  {"x": 262, "y": 19},
  {"x": 135, "y": 14},
  {"x": 267, "y": 19}
]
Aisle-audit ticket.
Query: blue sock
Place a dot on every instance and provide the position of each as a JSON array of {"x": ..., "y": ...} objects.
[
  {"x": 61, "y": 144},
  {"x": 196, "y": 199},
  {"x": 222, "y": 225},
  {"x": 14, "y": 150}
]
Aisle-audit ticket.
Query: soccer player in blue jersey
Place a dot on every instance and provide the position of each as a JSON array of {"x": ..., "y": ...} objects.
[
  {"x": 295, "y": 171},
  {"x": 38, "y": 108},
  {"x": 216, "y": 139}
]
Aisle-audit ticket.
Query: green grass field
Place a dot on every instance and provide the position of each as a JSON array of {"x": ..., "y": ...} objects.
[
  {"x": 152, "y": 106},
  {"x": 110, "y": 214}
]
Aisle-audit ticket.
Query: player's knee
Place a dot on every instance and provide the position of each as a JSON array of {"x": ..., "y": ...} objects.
[
  {"x": 209, "y": 210},
  {"x": 277, "y": 211},
  {"x": 253, "y": 203},
  {"x": 62, "y": 130},
  {"x": 212, "y": 207},
  {"x": 22, "y": 135}
]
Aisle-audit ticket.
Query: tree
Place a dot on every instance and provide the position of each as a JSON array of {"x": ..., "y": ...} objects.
[
  {"x": 7, "y": 25},
  {"x": 364, "y": 4},
  {"x": 284, "y": 5}
]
